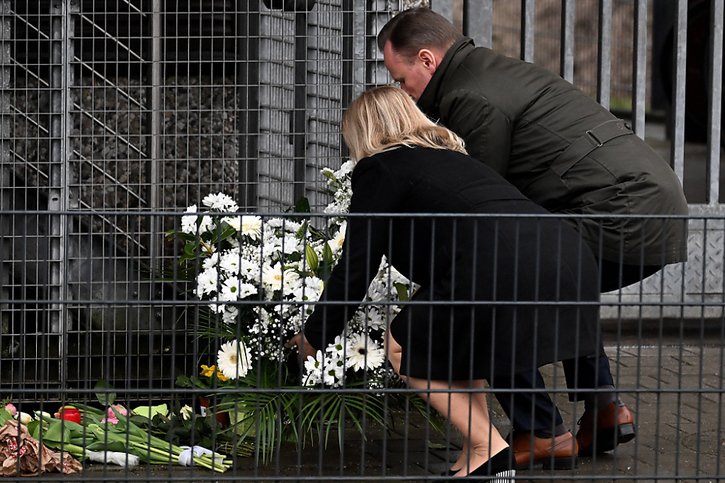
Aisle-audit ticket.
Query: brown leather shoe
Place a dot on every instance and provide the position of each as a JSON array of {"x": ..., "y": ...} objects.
[
  {"x": 614, "y": 425},
  {"x": 558, "y": 453}
]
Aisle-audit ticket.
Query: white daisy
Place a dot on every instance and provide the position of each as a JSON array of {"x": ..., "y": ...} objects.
[
  {"x": 364, "y": 353},
  {"x": 273, "y": 276},
  {"x": 234, "y": 359},
  {"x": 234, "y": 289},
  {"x": 334, "y": 370}
]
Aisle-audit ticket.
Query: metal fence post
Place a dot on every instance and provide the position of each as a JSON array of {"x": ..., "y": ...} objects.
[
  {"x": 715, "y": 106},
  {"x": 678, "y": 86},
  {"x": 478, "y": 21},
  {"x": 248, "y": 100},
  {"x": 528, "y": 26},
  {"x": 639, "y": 67},
  {"x": 60, "y": 152},
  {"x": 154, "y": 127},
  {"x": 568, "y": 22},
  {"x": 604, "y": 46}
]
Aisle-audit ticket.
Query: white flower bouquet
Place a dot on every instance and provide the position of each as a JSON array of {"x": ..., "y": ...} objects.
[{"x": 259, "y": 278}]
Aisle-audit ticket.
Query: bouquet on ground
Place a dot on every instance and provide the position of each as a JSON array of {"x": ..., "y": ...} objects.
[
  {"x": 259, "y": 278},
  {"x": 118, "y": 435}
]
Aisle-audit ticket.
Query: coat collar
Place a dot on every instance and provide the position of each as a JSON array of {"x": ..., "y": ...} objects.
[{"x": 429, "y": 101}]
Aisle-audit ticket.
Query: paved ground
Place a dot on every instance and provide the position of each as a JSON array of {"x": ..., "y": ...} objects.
[{"x": 676, "y": 388}]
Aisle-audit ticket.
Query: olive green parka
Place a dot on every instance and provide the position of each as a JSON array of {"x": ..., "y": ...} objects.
[{"x": 544, "y": 136}]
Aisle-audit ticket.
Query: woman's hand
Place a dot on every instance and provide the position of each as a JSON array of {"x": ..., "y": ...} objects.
[{"x": 304, "y": 348}]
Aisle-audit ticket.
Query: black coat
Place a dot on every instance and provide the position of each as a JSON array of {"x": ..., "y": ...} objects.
[
  {"x": 496, "y": 292},
  {"x": 520, "y": 119}
]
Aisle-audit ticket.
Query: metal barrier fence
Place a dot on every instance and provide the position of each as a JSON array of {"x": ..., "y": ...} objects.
[{"x": 116, "y": 115}]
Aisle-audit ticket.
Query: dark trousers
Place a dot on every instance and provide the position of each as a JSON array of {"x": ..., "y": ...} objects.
[{"x": 528, "y": 406}]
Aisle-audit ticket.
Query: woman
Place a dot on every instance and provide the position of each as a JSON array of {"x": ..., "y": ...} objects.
[{"x": 499, "y": 292}]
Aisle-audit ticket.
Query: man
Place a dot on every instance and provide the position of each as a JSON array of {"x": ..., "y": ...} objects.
[{"x": 569, "y": 154}]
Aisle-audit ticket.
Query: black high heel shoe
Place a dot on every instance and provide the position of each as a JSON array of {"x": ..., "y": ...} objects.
[{"x": 498, "y": 469}]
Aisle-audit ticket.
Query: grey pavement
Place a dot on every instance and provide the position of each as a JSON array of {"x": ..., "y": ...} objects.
[{"x": 675, "y": 387}]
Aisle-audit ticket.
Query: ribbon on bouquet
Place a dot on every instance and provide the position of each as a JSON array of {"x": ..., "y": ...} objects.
[{"x": 186, "y": 457}]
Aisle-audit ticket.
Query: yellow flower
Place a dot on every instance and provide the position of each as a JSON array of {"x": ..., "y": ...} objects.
[{"x": 209, "y": 371}]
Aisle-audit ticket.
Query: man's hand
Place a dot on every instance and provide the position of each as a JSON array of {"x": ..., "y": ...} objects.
[{"x": 304, "y": 348}]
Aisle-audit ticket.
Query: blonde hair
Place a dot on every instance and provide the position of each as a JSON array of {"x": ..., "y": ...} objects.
[{"x": 384, "y": 117}]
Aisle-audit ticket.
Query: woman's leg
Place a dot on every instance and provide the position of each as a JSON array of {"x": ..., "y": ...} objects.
[{"x": 466, "y": 411}]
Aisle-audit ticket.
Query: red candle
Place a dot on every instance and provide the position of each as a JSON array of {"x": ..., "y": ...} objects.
[{"x": 69, "y": 413}]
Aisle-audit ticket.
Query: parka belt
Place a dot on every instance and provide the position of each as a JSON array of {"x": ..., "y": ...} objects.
[{"x": 588, "y": 142}]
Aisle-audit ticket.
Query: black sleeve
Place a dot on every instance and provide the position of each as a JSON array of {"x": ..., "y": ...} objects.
[{"x": 366, "y": 240}]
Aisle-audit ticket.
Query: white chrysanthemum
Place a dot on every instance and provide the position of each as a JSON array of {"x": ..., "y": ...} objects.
[
  {"x": 346, "y": 168},
  {"x": 324, "y": 369},
  {"x": 334, "y": 371},
  {"x": 234, "y": 289},
  {"x": 363, "y": 352},
  {"x": 206, "y": 224},
  {"x": 307, "y": 288},
  {"x": 233, "y": 221},
  {"x": 313, "y": 369},
  {"x": 337, "y": 348},
  {"x": 188, "y": 222},
  {"x": 220, "y": 202},
  {"x": 207, "y": 282},
  {"x": 211, "y": 261},
  {"x": 251, "y": 226},
  {"x": 251, "y": 270},
  {"x": 234, "y": 360},
  {"x": 230, "y": 261}
]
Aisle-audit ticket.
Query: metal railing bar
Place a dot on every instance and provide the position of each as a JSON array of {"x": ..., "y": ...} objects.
[
  {"x": 604, "y": 47},
  {"x": 568, "y": 22},
  {"x": 35, "y": 76},
  {"x": 115, "y": 227},
  {"x": 677, "y": 149},
  {"x": 116, "y": 87},
  {"x": 715, "y": 103},
  {"x": 110, "y": 177},
  {"x": 80, "y": 109},
  {"x": 528, "y": 29},
  {"x": 639, "y": 68},
  {"x": 27, "y": 117},
  {"x": 27, "y": 23},
  {"x": 110, "y": 37},
  {"x": 32, "y": 166}
]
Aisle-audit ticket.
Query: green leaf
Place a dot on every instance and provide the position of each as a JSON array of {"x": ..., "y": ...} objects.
[
  {"x": 302, "y": 206},
  {"x": 4, "y": 416},
  {"x": 57, "y": 432},
  {"x": 103, "y": 393},
  {"x": 402, "y": 290},
  {"x": 151, "y": 411}
]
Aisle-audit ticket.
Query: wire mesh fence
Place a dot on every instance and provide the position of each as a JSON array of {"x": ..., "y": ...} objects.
[{"x": 120, "y": 118}]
